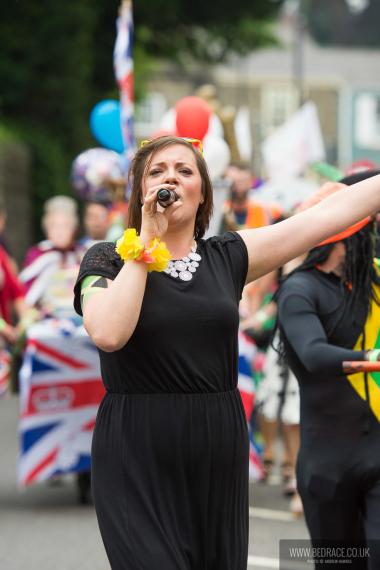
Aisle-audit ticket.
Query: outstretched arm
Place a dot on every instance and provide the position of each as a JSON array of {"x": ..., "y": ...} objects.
[
  {"x": 273, "y": 246},
  {"x": 300, "y": 323}
]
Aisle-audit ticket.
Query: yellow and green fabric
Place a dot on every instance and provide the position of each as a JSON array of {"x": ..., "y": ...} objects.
[{"x": 371, "y": 336}]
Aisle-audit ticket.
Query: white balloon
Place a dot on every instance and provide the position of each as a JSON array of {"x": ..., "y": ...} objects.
[
  {"x": 217, "y": 155},
  {"x": 215, "y": 126},
  {"x": 243, "y": 133},
  {"x": 167, "y": 121}
]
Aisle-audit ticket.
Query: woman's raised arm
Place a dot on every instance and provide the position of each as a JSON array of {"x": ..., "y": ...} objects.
[{"x": 272, "y": 246}]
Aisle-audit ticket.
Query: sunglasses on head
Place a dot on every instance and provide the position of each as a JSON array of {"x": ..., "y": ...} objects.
[{"x": 196, "y": 143}]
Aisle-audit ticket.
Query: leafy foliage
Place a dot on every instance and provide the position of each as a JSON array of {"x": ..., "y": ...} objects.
[
  {"x": 56, "y": 58},
  {"x": 175, "y": 29},
  {"x": 47, "y": 77},
  {"x": 56, "y": 63}
]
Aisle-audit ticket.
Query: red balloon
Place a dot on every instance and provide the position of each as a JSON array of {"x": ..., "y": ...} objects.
[{"x": 193, "y": 117}]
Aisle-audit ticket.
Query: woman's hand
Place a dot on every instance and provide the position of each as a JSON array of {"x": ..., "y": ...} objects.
[
  {"x": 373, "y": 355},
  {"x": 9, "y": 333},
  {"x": 155, "y": 218}
]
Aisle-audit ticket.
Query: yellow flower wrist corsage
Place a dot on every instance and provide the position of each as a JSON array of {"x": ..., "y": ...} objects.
[{"x": 130, "y": 247}]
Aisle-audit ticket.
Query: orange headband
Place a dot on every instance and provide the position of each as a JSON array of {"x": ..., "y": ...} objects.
[
  {"x": 347, "y": 232},
  {"x": 326, "y": 190}
]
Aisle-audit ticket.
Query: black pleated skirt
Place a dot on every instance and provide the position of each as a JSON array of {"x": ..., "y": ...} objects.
[{"x": 170, "y": 481}]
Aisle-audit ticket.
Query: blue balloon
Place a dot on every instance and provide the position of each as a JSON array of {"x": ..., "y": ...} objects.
[{"x": 105, "y": 124}]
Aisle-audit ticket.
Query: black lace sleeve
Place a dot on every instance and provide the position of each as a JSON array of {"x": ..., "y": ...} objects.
[{"x": 101, "y": 259}]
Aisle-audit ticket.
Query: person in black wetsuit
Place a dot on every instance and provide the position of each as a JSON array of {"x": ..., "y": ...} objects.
[
  {"x": 170, "y": 446},
  {"x": 324, "y": 311}
]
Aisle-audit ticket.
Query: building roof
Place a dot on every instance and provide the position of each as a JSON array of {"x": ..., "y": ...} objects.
[{"x": 354, "y": 67}]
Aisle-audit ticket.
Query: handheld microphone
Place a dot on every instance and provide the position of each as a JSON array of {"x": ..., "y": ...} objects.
[{"x": 166, "y": 197}]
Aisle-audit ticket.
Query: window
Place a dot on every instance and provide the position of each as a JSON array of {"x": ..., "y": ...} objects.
[
  {"x": 367, "y": 121},
  {"x": 149, "y": 114},
  {"x": 278, "y": 103}
]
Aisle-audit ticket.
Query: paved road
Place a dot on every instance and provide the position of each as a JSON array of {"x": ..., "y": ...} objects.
[{"x": 44, "y": 528}]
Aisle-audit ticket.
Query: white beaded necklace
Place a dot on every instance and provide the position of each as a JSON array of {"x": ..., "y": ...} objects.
[{"x": 185, "y": 267}]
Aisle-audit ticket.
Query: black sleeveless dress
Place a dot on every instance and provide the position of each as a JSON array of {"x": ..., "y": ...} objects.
[{"x": 170, "y": 446}]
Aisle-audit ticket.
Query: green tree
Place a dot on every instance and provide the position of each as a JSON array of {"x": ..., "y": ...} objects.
[
  {"x": 56, "y": 57},
  {"x": 56, "y": 63},
  {"x": 48, "y": 85},
  {"x": 176, "y": 29},
  {"x": 46, "y": 66}
]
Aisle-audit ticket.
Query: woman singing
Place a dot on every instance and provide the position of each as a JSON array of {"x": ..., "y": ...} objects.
[{"x": 170, "y": 447}]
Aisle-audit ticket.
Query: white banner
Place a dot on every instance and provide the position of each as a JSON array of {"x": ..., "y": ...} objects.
[{"x": 296, "y": 144}]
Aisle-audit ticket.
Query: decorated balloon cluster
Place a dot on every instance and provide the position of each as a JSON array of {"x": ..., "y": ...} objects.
[{"x": 96, "y": 171}]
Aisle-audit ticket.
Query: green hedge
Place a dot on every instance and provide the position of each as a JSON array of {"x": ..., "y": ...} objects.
[{"x": 50, "y": 167}]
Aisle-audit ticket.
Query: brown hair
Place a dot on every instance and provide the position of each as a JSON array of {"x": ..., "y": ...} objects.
[{"x": 141, "y": 162}]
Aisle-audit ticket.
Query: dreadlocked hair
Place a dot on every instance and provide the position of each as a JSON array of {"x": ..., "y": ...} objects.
[
  {"x": 359, "y": 275},
  {"x": 359, "y": 271}
]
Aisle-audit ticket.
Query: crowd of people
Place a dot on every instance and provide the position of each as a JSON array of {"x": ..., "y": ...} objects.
[
  {"x": 276, "y": 414},
  {"x": 305, "y": 311},
  {"x": 42, "y": 287}
]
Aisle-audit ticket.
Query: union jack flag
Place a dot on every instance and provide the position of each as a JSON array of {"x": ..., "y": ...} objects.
[
  {"x": 60, "y": 391},
  {"x": 123, "y": 66},
  {"x": 5, "y": 371},
  {"x": 247, "y": 353}
]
